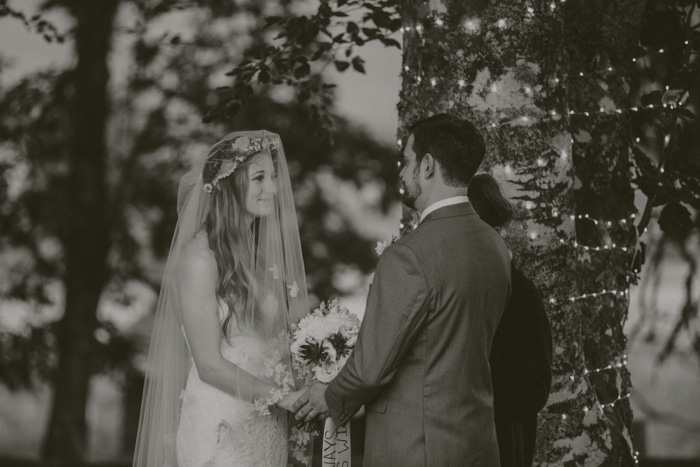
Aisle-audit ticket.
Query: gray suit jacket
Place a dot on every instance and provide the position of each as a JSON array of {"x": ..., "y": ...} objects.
[{"x": 421, "y": 363}]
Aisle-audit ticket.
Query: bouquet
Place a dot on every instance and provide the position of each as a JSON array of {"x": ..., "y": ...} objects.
[{"x": 322, "y": 342}]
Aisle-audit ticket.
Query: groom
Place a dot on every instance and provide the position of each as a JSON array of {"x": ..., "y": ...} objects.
[{"x": 420, "y": 365}]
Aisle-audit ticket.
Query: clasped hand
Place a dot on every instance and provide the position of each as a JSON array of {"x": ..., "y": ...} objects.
[{"x": 311, "y": 404}]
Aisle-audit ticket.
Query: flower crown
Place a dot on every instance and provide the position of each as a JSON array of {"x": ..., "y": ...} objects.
[{"x": 234, "y": 153}]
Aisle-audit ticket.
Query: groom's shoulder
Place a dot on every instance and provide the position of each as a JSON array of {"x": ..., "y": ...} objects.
[
  {"x": 418, "y": 238},
  {"x": 448, "y": 232},
  {"x": 431, "y": 230}
]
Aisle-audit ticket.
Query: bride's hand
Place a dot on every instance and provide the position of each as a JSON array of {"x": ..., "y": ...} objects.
[{"x": 288, "y": 400}]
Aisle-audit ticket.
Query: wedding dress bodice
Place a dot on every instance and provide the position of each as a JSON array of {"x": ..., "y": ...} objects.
[{"x": 218, "y": 429}]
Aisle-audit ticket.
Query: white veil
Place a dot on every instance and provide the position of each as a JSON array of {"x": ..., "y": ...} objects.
[{"x": 278, "y": 298}]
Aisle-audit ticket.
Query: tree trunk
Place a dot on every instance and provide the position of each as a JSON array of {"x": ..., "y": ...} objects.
[
  {"x": 505, "y": 67},
  {"x": 85, "y": 232},
  {"x": 601, "y": 47}
]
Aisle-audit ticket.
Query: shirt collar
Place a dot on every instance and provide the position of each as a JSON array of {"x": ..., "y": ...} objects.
[{"x": 441, "y": 204}]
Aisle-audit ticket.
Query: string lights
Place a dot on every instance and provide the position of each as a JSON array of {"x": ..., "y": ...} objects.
[
  {"x": 604, "y": 247},
  {"x": 675, "y": 100},
  {"x": 586, "y": 409},
  {"x": 614, "y": 293},
  {"x": 615, "y": 365},
  {"x": 534, "y": 234},
  {"x": 611, "y": 366}
]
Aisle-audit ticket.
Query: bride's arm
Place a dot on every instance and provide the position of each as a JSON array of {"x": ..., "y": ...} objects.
[{"x": 196, "y": 279}]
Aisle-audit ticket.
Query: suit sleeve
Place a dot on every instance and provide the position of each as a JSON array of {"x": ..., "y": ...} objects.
[{"x": 397, "y": 307}]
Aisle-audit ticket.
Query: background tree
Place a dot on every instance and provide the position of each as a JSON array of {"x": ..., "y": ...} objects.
[
  {"x": 609, "y": 252},
  {"x": 84, "y": 230}
]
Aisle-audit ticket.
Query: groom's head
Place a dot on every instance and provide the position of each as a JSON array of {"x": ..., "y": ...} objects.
[{"x": 441, "y": 156}]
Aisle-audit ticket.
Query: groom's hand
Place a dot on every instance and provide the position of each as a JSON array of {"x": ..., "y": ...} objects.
[{"x": 312, "y": 404}]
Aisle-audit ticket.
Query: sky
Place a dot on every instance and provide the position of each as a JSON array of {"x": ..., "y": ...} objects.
[{"x": 369, "y": 101}]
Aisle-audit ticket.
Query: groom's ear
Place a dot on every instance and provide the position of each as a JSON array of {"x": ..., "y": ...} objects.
[{"x": 428, "y": 165}]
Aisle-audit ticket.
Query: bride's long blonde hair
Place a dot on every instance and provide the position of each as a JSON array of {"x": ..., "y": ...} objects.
[{"x": 228, "y": 226}]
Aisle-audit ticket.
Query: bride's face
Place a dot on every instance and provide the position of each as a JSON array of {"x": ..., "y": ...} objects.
[{"x": 261, "y": 187}]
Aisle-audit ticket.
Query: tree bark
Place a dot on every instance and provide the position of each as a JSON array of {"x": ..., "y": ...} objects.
[
  {"x": 601, "y": 47},
  {"x": 85, "y": 232},
  {"x": 505, "y": 66}
]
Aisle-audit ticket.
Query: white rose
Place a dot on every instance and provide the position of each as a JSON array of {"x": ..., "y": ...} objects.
[{"x": 327, "y": 371}]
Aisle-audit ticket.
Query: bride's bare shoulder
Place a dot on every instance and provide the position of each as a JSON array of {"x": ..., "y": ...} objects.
[{"x": 197, "y": 257}]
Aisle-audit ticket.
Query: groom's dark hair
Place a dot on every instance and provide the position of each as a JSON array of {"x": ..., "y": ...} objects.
[{"x": 455, "y": 143}]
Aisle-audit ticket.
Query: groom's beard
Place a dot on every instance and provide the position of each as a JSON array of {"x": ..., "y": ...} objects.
[{"x": 412, "y": 192}]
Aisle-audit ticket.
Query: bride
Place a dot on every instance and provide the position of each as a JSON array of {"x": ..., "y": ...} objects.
[{"x": 220, "y": 386}]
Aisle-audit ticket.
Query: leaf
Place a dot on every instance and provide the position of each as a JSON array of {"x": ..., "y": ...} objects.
[
  {"x": 308, "y": 35},
  {"x": 341, "y": 65},
  {"x": 687, "y": 113},
  {"x": 352, "y": 28},
  {"x": 324, "y": 11},
  {"x": 381, "y": 18},
  {"x": 389, "y": 42},
  {"x": 323, "y": 47},
  {"x": 272, "y": 20},
  {"x": 651, "y": 98},
  {"x": 395, "y": 24},
  {"x": 302, "y": 71},
  {"x": 370, "y": 32},
  {"x": 312, "y": 352},
  {"x": 358, "y": 64},
  {"x": 264, "y": 76},
  {"x": 338, "y": 342},
  {"x": 675, "y": 221}
]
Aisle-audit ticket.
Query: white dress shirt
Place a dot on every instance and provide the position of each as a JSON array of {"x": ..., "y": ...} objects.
[{"x": 441, "y": 204}]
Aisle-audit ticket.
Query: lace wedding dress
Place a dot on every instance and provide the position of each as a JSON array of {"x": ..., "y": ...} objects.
[
  {"x": 219, "y": 430},
  {"x": 184, "y": 421}
]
